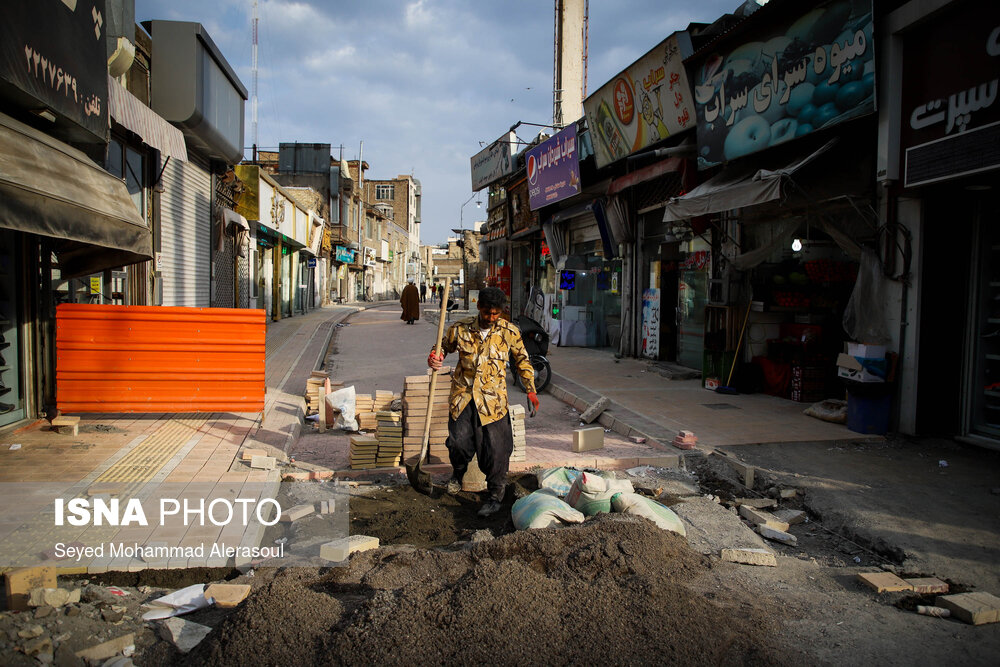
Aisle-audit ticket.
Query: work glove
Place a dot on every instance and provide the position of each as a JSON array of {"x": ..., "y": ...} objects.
[
  {"x": 533, "y": 399},
  {"x": 434, "y": 361}
]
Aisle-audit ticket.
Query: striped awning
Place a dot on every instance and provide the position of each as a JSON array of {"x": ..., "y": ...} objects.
[{"x": 126, "y": 109}]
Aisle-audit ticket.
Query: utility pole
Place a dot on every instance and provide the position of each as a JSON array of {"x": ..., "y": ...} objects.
[{"x": 253, "y": 65}]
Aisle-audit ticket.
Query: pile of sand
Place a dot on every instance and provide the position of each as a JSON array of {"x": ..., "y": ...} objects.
[{"x": 608, "y": 591}]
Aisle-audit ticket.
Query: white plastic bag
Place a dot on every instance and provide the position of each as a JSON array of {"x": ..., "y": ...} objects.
[
  {"x": 661, "y": 515},
  {"x": 542, "y": 509},
  {"x": 342, "y": 401}
]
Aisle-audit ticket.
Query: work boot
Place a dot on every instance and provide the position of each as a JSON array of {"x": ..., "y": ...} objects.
[
  {"x": 454, "y": 486},
  {"x": 490, "y": 507}
]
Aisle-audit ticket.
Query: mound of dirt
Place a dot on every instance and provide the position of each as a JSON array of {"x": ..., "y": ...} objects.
[{"x": 611, "y": 590}]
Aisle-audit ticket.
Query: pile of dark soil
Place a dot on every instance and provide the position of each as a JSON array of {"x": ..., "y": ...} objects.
[
  {"x": 400, "y": 515},
  {"x": 609, "y": 591}
]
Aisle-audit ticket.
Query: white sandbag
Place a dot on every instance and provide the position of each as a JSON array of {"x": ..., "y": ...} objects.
[
  {"x": 342, "y": 401},
  {"x": 542, "y": 509},
  {"x": 661, "y": 515},
  {"x": 592, "y": 493},
  {"x": 558, "y": 479}
]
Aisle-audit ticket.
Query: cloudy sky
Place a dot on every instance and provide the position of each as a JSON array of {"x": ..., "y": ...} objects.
[{"x": 423, "y": 83}]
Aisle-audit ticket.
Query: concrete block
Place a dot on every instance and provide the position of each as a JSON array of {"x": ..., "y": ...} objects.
[
  {"x": 587, "y": 439},
  {"x": 19, "y": 583},
  {"x": 339, "y": 550},
  {"x": 667, "y": 461},
  {"x": 761, "y": 518},
  {"x": 297, "y": 512},
  {"x": 595, "y": 410},
  {"x": 759, "y": 503},
  {"x": 750, "y": 557},
  {"x": 791, "y": 517},
  {"x": 263, "y": 462},
  {"x": 65, "y": 424},
  {"x": 975, "y": 608},
  {"x": 248, "y": 454},
  {"x": 227, "y": 595},
  {"x": 53, "y": 597},
  {"x": 926, "y": 585},
  {"x": 185, "y": 635},
  {"x": 884, "y": 582}
]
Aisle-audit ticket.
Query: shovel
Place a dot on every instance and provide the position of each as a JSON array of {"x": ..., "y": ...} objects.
[{"x": 420, "y": 480}]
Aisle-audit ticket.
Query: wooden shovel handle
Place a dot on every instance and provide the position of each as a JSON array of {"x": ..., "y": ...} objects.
[{"x": 434, "y": 372}]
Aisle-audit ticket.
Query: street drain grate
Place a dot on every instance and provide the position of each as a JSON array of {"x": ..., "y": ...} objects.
[{"x": 721, "y": 406}]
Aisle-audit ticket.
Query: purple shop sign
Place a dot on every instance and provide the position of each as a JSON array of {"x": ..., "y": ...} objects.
[{"x": 553, "y": 169}]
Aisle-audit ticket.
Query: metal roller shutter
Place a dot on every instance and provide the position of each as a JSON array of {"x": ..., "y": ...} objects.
[{"x": 186, "y": 234}]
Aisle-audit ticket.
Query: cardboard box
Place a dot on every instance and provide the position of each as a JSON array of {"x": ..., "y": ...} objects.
[
  {"x": 866, "y": 351},
  {"x": 849, "y": 367}
]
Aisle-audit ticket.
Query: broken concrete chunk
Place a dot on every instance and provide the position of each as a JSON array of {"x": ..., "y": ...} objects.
[
  {"x": 924, "y": 585},
  {"x": 788, "y": 493},
  {"x": 185, "y": 635},
  {"x": 759, "y": 503},
  {"x": 777, "y": 535},
  {"x": 31, "y": 632},
  {"x": 297, "y": 512},
  {"x": 53, "y": 597},
  {"x": 263, "y": 462},
  {"x": 595, "y": 410},
  {"x": 791, "y": 517},
  {"x": 884, "y": 582},
  {"x": 227, "y": 595},
  {"x": 248, "y": 454},
  {"x": 761, "y": 518},
  {"x": 107, "y": 649},
  {"x": 975, "y": 608},
  {"x": 37, "y": 646},
  {"x": 750, "y": 557}
]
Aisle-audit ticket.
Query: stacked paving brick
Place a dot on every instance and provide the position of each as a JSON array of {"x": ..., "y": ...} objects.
[
  {"x": 364, "y": 411},
  {"x": 416, "y": 389},
  {"x": 364, "y": 452},
  {"x": 389, "y": 434},
  {"x": 318, "y": 380},
  {"x": 516, "y": 413}
]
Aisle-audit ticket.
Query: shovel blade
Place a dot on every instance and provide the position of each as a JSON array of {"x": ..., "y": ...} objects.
[{"x": 419, "y": 480}]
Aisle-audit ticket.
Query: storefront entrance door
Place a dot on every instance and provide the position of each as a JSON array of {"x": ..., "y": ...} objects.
[{"x": 692, "y": 297}]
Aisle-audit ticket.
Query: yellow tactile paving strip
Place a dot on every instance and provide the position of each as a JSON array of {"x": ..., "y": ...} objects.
[{"x": 149, "y": 456}]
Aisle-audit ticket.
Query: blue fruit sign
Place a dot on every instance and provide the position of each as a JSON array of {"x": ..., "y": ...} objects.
[{"x": 813, "y": 72}]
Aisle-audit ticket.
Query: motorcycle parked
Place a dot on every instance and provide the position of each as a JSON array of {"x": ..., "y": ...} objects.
[{"x": 536, "y": 343}]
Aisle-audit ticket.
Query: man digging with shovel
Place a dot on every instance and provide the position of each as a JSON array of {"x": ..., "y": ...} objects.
[{"x": 477, "y": 420}]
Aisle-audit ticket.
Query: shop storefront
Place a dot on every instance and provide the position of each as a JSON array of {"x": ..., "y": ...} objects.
[{"x": 941, "y": 162}]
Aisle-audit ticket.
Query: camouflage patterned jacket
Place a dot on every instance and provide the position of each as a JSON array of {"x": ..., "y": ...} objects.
[{"x": 480, "y": 374}]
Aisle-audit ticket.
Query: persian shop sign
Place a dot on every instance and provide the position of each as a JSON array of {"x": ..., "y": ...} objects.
[
  {"x": 493, "y": 162},
  {"x": 55, "y": 53},
  {"x": 553, "y": 168},
  {"x": 647, "y": 102},
  {"x": 814, "y": 72}
]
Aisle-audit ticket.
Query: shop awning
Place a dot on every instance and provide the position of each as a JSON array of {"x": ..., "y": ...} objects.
[
  {"x": 648, "y": 173},
  {"x": 52, "y": 189},
  {"x": 737, "y": 187},
  {"x": 126, "y": 109}
]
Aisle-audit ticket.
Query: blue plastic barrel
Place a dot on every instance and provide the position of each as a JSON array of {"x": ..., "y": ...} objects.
[{"x": 868, "y": 414}]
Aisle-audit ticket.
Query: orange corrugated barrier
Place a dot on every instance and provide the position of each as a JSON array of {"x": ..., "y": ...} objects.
[{"x": 159, "y": 359}]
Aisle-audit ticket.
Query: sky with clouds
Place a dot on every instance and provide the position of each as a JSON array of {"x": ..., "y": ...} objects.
[{"x": 424, "y": 84}]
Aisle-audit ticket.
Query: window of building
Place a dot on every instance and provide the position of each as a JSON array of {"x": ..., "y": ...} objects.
[
  {"x": 385, "y": 210},
  {"x": 129, "y": 165},
  {"x": 385, "y": 191}
]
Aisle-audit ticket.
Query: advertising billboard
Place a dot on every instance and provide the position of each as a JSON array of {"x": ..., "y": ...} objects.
[
  {"x": 553, "y": 168},
  {"x": 796, "y": 77},
  {"x": 648, "y": 101},
  {"x": 494, "y": 162},
  {"x": 55, "y": 53}
]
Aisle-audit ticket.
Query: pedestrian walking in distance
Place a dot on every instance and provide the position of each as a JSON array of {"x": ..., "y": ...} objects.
[
  {"x": 478, "y": 424},
  {"x": 410, "y": 301},
  {"x": 423, "y": 292}
]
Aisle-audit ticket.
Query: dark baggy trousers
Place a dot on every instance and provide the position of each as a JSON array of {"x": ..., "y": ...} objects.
[{"x": 491, "y": 445}]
